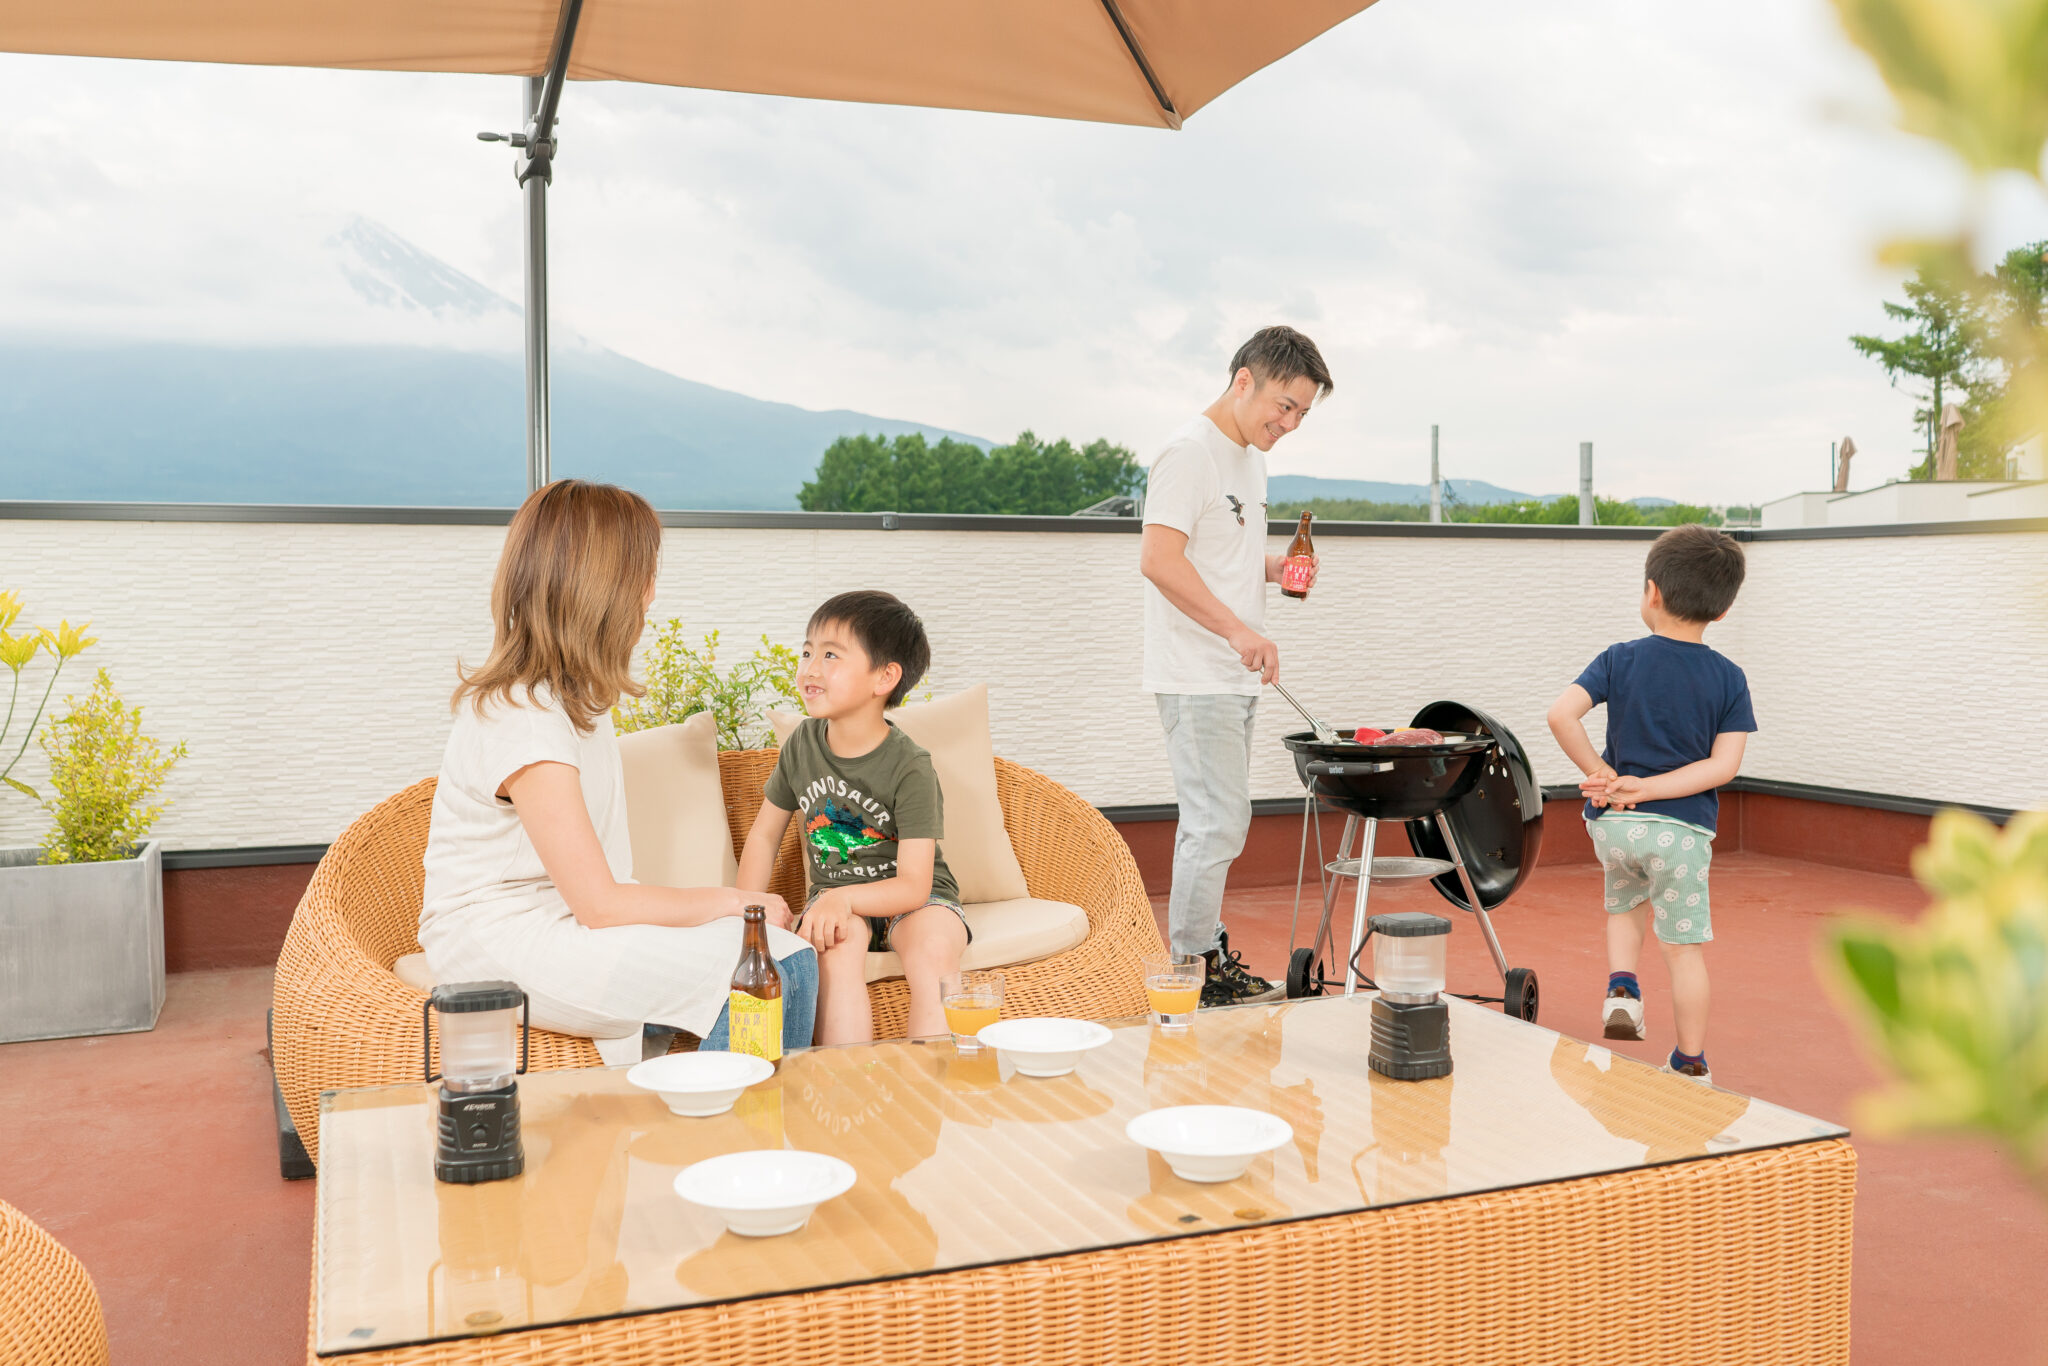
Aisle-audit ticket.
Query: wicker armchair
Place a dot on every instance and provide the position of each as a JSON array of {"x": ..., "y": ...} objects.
[
  {"x": 343, "y": 1019},
  {"x": 49, "y": 1311}
]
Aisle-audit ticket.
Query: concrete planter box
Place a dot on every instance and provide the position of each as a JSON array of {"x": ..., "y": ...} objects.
[{"x": 81, "y": 945}]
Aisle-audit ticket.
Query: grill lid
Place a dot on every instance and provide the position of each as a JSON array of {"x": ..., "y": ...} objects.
[{"x": 1498, "y": 822}]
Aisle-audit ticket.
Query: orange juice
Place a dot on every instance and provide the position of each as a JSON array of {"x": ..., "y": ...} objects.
[
  {"x": 1173, "y": 995},
  {"x": 967, "y": 1015}
]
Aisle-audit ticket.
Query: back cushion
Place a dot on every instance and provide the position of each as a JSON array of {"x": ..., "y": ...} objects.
[
  {"x": 675, "y": 808},
  {"x": 955, "y": 731}
]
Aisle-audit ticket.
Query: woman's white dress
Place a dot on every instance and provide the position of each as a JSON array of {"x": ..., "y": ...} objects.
[{"x": 491, "y": 911}]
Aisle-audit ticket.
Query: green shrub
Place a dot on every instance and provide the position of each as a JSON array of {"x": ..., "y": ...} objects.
[
  {"x": 684, "y": 679},
  {"x": 103, "y": 772}
]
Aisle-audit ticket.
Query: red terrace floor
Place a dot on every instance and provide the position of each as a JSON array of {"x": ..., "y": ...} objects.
[{"x": 151, "y": 1155}]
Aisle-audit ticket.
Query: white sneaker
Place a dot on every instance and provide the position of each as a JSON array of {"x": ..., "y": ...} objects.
[
  {"x": 1703, "y": 1076},
  {"x": 1624, "y": 1017}
]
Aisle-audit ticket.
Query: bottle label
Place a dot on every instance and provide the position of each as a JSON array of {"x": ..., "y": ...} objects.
[
  {"x": 755, "y": 1026},
  {"x": 1295, "y": 572}
]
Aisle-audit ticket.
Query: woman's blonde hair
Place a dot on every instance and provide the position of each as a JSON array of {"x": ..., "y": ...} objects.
[{"x": 570, "y": 600}]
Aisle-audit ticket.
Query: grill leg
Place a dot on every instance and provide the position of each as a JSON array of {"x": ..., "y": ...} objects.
[
  {"x": 1500, "y": 960},
  {"x": 1372, "y": 829},
  {"x": 1308, "y": 814},
  {"x": 1322, "y": 941}
]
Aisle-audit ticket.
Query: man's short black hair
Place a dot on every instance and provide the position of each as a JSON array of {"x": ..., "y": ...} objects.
[
  {"x": 1283, "y": 354},
  {"x": 886, "y": 630},
  {"x": 1698, "y": 570}
]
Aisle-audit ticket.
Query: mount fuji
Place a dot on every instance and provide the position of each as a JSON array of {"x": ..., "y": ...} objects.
[{"x": 410, "y": 392}]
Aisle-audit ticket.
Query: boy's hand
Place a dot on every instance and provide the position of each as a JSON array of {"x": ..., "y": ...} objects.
[
  {"x": 1594, "y": 785},
  {"x": 1624, "y": 793},
  {"x": 831, "y": 918}
]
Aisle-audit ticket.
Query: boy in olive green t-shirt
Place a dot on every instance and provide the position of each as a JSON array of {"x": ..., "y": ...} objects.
[{"x": 872, "y": 815}]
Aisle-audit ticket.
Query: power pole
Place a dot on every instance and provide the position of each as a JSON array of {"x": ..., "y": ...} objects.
[
  {"x": 1436, "y": 480},
  {"x": 1587, "y": 514}
]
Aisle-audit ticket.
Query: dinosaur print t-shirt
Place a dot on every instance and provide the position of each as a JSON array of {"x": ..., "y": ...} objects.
[{"x": 851, "y": 812}]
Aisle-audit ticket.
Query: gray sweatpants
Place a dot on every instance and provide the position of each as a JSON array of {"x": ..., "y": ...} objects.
[{"x": 1209, "y": 745}]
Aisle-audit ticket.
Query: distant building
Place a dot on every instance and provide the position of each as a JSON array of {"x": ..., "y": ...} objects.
[{"x": 1901, "y": 500}]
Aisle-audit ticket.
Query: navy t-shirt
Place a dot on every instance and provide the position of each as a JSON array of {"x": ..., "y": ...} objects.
[{"x": 1666, "y": 701}]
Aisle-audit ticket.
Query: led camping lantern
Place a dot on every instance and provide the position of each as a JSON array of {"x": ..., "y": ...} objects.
[
  {"x": 1411, "y": 1025},
  {"x": 479, "y": 1115}
]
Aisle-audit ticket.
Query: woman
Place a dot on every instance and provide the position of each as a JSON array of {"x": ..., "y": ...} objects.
[{"x": 529, "y": 869}]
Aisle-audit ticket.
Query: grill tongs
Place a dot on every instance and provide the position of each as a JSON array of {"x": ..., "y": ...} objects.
[{"x": 1324, "y": 734}]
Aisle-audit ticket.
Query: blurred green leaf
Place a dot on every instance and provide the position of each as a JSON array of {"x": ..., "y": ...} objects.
[
  {"x": 1967, "y": 73},
  {"x": 1955, "y": 1004},
  {"x": 1874, "y": 969}
]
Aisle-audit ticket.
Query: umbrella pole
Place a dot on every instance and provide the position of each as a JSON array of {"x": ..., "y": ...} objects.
[
  {"x": 535, "y": 171},
  {"x": 535, "y": 188}
]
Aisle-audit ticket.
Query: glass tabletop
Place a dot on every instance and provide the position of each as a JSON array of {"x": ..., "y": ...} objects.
[{"x": 961, "y": 1162}]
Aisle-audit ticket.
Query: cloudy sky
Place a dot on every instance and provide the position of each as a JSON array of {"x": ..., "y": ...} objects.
[{"x": 1648, "y": 226}]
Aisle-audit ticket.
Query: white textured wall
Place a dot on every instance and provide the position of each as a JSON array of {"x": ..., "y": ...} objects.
[{"x": 309, "y": 665}]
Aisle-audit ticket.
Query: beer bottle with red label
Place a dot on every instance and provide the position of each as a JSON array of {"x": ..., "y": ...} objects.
[
  {"x": 1300, "y": 562},
  {"x": 754, "y": 1018}
]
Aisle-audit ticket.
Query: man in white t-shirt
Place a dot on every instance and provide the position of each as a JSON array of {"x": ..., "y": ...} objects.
[{"x": 1206, "y": 568}]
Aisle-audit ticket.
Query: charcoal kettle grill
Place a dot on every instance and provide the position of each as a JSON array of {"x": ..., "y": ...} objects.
[{"x": 1474, "y": 817}]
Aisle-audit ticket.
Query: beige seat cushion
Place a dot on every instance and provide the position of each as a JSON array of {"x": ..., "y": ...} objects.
[
  {"x": 1005, "y": 933},
  {"x": 675, "y": 808},
  {"x": 414, "y": 972},
  {"x": 976, "y": 847}
]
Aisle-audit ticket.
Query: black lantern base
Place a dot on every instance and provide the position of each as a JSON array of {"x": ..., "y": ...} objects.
[
  {"x": 1410, "y": 1042},
  {"x": 479, "y": 1136}
]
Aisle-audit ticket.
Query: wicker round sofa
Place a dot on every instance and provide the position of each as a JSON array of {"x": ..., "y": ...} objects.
[
  {"x": 342, "y": 1018},
  {"x": 49, "y": 1311}
]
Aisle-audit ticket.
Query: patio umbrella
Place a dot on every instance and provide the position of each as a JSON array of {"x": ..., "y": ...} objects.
[
  {"x": 1146, "y": 62},
  {"x": 1945, "y": 447},
  {"x": 1848, "y": 450}
]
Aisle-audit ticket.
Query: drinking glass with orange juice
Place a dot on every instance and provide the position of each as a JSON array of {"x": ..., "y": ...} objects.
[
  {"x": 972, "y": 1000},
  {"x": 1173, "y": 987}
]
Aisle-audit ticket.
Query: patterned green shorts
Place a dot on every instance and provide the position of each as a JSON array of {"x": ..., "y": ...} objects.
[{"x": 1662, "y": 862}]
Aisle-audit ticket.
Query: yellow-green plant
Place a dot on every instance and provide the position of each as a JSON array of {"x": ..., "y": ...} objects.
[
  {"x": 18, "y": 652},
  {"x": 684, "y": 679},
  {"x": 1955, "y": 1004},
  {"x": 103, "y": 773}
]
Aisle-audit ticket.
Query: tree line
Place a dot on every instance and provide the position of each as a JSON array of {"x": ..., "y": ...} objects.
[
  {"x": 1971, "y": 335},
  {"x": 1559, "y": 511},
  {"x": 1028, "y": 477}
]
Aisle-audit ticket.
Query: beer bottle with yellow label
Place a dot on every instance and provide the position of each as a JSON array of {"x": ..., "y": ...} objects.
[{"x": 754, "y": 1020}]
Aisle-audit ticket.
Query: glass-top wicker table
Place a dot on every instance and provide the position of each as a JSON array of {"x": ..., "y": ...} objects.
[{"x": 1549, "y": 1200}]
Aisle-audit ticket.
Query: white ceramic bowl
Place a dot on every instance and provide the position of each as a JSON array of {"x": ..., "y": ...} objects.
[
  {"x": 700, "y": 1084},
  {"x": 763, "y": 1193},
  {"x": 1044, "y": 1047},
  {"x": 1208, "y": 1142}
]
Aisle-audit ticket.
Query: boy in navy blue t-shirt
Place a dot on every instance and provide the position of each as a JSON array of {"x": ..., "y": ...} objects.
[{"x": 1678, "y": 716}]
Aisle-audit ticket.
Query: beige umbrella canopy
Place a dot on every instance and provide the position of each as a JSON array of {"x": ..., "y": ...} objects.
[
  {"x": 1110, "y": 61},
  {"x": 1945, "y": 445},
  {"x": 1148, "y": 62},
  {"x": 1847, "y": 453}
]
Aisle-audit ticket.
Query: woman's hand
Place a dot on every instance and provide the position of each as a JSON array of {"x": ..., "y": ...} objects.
[{"x": 776, "y": 908}]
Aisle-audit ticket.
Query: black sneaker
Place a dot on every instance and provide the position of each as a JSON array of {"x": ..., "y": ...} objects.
[{"x": 1230, "y": 983}]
